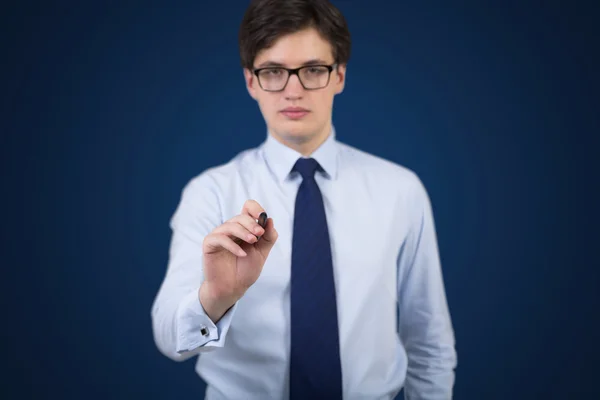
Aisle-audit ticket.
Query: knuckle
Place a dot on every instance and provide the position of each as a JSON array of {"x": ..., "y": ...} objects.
[
  {"x": 234, "y": 226},
  {"x": 239, "y": 219},
  {"x": 216, "y": 237},
  {"x": 209, "y": 240},
  {"x": 240, "y": 222},
  {"x": 229, "y": 227},
  {"x": 223, "y": 236}
]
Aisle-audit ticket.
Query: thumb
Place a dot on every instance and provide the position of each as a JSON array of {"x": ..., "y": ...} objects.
[{"x": 268, "y": 239}]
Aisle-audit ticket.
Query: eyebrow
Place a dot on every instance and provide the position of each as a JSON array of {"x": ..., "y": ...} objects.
[{"x": 314, "y": 61}]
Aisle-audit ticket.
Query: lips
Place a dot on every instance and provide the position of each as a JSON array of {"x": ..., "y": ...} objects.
[{"x": 294, "y": 112}]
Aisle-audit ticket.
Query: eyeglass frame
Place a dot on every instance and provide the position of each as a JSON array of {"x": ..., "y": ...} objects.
[{"x": 295, "y": 71}]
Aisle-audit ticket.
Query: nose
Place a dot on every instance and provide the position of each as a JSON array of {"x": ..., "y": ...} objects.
[{"x": 293, "y": 89}]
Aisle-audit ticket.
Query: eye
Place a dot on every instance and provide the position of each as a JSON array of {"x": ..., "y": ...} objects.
[
  {"x": 316, "y": 70},
  {"x": 272, "y": 72}
]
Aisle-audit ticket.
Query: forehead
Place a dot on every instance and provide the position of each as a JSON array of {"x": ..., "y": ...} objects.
[{"x": 297, "y": 48}]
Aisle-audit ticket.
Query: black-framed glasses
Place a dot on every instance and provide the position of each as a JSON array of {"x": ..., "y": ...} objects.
[{"x": 311, "y": 77}]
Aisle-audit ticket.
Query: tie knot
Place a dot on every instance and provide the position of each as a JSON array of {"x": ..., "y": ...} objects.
[{"x": 306, "y": 167}]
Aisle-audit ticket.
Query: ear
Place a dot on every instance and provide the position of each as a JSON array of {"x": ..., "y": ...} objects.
[
  {"x": 251, "y": 83},
  {"x": 340, "y": 78}
]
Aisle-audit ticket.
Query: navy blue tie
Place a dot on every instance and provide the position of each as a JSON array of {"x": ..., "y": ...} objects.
[{"x": 315, "y": 370}]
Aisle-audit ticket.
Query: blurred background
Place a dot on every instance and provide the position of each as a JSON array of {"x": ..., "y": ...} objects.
[{"x": 109, "y": 108}]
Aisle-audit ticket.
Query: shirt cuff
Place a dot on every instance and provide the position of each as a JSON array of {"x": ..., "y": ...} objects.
[{"x": 196, "y": 329}]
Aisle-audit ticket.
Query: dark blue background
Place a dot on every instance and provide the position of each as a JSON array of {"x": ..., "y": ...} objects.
[{"x": 109, "y": 108}]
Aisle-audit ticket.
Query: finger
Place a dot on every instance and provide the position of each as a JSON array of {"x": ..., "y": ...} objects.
[
  {"x": 252, "y": 208},
  {"x": 266, "y": 242},
  {"x": 249, "y": 223},
  {"x": 217, "y": 241},
  {"x": 270, "y": 231},
  {"x": 236, "y": 230}
]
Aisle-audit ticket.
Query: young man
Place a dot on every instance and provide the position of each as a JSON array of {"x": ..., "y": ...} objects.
[{"x": 305, "y": 308}]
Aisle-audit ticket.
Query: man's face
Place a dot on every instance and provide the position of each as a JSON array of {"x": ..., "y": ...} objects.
[{"x": 280, "y": 109}]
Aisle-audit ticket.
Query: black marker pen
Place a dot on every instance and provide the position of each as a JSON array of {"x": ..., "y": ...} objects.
[{"x": 262, "y": 221}]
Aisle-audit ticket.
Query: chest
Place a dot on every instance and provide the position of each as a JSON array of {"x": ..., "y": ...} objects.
[{"x": 366, "y": 228}]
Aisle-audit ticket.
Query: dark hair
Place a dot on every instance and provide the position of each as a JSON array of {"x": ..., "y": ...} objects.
[{"x": 265, "y": 21}]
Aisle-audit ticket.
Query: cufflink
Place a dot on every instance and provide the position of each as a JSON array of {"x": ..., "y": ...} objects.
[{"x": 204, "y": 330}]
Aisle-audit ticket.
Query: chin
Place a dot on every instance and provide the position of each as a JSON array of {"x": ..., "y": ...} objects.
[{"x": 296, "y": 131}]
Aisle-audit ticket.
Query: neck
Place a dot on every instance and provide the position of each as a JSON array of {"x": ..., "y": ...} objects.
[{"x": 304, "y": 145}]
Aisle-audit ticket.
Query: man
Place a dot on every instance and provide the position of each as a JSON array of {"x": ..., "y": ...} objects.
[{"x": 305, "y": 308}]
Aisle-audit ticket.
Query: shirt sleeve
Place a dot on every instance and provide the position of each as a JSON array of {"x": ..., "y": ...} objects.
[
  {"x": 180, "y": 325},
  {"x": 196, "y": 330},
  {"x": 425, "y": 326}
]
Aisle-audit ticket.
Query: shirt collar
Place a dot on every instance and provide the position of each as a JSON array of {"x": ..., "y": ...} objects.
[{"x": 281, "y": 158}]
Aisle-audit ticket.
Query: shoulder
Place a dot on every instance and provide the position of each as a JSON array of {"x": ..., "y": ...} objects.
[
  {"x": 213, "y": 180},
  {"x": 384, "y": 172}
]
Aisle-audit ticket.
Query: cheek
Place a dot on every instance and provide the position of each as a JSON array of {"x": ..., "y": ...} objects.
[
  {"x": 323, "y": 102},
  {"x": 268, "y": 106}
]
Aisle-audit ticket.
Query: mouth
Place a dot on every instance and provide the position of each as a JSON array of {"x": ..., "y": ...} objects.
[{"x": 294, "y": 112}]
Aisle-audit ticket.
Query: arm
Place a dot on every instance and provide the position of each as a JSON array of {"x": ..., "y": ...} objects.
[
  {"x": 425, "y": 327},
  {"x": 181, "y": 327}
]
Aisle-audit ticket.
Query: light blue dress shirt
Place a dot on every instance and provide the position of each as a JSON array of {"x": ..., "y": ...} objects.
[{"x": 385, "y": 254}]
